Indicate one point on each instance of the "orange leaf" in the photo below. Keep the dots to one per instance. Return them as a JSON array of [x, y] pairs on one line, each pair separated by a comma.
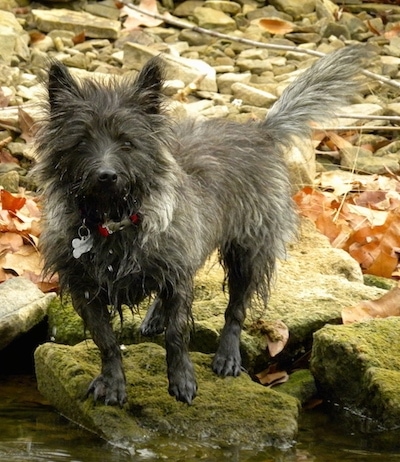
[[276, 25], [387, 305], [11, 202]]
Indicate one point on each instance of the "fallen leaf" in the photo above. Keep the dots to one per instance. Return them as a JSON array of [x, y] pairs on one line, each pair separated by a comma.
[[383, 307], [276, 25], [11, 202], [27, 258], [134, 19], [272, 376]]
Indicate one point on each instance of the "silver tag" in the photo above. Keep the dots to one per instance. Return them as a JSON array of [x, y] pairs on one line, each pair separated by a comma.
[[83, 243]]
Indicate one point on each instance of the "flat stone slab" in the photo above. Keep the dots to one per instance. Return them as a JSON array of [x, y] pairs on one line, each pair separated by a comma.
[[358, 365], [22, 306], [228, 411], [77, 22]]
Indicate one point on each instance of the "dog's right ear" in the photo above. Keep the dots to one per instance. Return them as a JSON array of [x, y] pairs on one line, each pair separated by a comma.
[[60, 84]]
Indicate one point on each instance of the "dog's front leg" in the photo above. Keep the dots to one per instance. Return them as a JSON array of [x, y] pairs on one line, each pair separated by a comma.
[[181, 377], [110, 384]]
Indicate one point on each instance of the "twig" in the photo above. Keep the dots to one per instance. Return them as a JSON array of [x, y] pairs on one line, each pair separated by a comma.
[[355, 127], [169, 19], [369, 117]]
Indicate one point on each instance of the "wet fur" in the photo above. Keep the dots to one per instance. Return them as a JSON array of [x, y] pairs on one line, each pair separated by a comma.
[[197, 185]]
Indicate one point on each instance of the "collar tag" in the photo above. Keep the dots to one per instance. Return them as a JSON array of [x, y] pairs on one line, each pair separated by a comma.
[[83, 243]]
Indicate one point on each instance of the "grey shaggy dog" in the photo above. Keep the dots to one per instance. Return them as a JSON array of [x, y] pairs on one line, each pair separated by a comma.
[[135, 202]]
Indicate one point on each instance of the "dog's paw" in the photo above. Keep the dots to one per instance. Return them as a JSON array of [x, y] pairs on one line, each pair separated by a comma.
[[227, 364], [183, 387], [111, 390]]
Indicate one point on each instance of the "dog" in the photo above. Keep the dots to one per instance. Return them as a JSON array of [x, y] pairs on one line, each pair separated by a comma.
[[135, 202]]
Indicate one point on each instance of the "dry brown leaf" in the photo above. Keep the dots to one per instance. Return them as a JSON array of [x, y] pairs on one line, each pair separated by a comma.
[[27, 258], [272, 376], [383, 307], [276, 25], [134, 19], [26, 124]]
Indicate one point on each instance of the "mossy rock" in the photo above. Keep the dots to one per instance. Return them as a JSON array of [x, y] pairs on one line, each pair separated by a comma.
[[358, 366], [230, 410]]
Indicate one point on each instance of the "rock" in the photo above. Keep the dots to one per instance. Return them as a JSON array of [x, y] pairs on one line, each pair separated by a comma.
[[225, 81], [13, 39], [186, 8], [252, 96], [363, 161], [355, 109], [227, 7], [184, 69], [10, 181], [217, 414], [210, 18], [293, 7], [22, 306], [326, 9], [358, 366], [311, 288], [77, 22]]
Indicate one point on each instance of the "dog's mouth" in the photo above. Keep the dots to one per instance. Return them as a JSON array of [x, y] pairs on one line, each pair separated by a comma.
[[109, 216]]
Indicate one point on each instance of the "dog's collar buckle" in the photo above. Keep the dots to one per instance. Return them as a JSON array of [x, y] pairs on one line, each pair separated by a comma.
[[110, 227]]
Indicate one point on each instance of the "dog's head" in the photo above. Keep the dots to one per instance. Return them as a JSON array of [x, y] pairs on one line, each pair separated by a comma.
[[105, 142]]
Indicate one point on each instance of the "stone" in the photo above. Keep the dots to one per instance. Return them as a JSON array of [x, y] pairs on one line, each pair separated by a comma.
[[10, 181], [225, 81], [228, 7], [22, 306], [209, 18], [295, 8], [77, 22], [358, 366], [217, 414], [363, 161], [311, 288], [185, 69], [8, 40], [253, 96], [186, 8]]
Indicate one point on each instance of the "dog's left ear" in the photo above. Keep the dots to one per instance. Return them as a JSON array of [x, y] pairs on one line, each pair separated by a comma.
[[148, 86]]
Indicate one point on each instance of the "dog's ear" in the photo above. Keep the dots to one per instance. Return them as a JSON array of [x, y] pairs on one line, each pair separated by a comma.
[[148, 86], [60, 84]]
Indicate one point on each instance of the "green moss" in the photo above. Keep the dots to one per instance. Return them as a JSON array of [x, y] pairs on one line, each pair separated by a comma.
[[359, 366], [65, 325], [377, 281], [301, 385], [225, 410]]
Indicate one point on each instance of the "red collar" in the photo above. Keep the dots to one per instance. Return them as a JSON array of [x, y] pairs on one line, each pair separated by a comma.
[[109, 227]]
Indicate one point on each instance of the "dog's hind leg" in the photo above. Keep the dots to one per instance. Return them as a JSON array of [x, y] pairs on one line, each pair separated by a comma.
[[242, 284], [110, 384], [155, 319]]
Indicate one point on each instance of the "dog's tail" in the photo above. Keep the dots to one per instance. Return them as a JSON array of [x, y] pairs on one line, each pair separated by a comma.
[[316, 94]]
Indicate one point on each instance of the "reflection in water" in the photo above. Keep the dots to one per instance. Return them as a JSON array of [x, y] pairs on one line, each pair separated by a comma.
[[30, 430]]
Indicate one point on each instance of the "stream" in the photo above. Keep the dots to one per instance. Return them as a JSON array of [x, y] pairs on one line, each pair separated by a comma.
[[31, 430]]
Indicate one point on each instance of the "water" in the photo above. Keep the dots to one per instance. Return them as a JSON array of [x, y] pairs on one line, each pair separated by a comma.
[[31, 430]]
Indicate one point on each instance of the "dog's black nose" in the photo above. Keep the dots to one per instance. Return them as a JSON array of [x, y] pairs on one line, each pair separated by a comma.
[[107, 175]]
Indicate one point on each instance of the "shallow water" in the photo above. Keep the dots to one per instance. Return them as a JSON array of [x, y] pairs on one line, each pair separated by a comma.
[[31, 430]]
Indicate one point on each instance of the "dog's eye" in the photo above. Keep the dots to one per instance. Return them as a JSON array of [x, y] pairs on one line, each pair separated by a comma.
[[127, 146]]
